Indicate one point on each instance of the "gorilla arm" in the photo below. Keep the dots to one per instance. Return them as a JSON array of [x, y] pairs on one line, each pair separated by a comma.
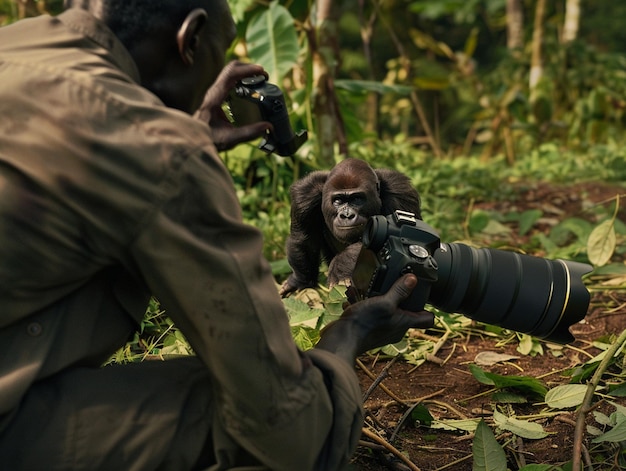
[[304, 243]]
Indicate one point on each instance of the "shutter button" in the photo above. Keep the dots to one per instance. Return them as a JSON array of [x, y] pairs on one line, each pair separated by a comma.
[[34, 329]]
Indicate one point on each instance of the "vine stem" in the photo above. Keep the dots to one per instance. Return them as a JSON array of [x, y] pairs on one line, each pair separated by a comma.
[[586, 406]]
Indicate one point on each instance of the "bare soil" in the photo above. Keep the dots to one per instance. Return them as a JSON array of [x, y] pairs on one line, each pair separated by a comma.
[[448, 389]]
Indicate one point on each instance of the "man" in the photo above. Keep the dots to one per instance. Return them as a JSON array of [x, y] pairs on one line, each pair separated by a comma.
[[111, 191]]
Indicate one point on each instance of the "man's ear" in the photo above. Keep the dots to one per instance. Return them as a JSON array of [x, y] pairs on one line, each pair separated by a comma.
[[188, 35]]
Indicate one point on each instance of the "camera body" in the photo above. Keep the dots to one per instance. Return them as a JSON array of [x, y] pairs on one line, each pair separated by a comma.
[[519, 292], [401, 244], [254, 99]]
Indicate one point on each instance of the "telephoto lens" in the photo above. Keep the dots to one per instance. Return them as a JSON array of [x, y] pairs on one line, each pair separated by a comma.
[[520, 292]]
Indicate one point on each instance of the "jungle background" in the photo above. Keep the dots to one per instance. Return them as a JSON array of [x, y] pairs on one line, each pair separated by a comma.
[[508, 116]]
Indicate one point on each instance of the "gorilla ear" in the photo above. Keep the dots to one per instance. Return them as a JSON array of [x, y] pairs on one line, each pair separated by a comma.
[[188, 35]]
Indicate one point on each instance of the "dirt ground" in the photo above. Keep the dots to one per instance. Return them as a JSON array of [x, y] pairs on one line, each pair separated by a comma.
[[448, 389]]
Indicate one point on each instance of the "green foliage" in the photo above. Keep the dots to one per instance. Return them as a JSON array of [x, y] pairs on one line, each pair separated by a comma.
[[567, 395], [272, 41], [523, 384], [8, 11], [488, 454], [521, 428], [615, 426]]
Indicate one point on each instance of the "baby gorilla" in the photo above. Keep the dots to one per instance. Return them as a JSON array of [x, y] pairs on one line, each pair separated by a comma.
[[329, 210]]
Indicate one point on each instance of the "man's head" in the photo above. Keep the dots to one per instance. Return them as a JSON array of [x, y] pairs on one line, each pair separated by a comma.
[[178, 45]]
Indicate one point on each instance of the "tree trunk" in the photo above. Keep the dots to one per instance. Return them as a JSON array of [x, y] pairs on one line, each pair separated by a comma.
[[572, 21], [536, 60], [325, 56], [514, 24], [27, 8], [367, 29]]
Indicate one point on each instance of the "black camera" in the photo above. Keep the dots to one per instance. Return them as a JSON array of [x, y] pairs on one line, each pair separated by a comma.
[[520, 292], [254, 100]]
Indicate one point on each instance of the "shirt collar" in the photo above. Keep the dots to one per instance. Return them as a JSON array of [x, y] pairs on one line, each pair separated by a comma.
[[85, 23]]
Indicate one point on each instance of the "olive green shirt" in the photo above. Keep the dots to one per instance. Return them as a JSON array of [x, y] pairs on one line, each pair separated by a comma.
[[108, 197]]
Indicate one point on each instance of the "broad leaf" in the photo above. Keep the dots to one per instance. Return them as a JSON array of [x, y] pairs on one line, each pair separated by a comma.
[[492, 358], [272, 41], [616, 434], [421, 415], [238, 8], [521, 383], [506, 397], [300, 311], [567, 395], [601, 243], [455, 425], [488, 454], [528, 219], [305, 337], [521, 428]]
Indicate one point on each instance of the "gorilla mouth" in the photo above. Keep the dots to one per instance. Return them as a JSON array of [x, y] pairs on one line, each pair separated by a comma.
[[350, 228], [349, 234]]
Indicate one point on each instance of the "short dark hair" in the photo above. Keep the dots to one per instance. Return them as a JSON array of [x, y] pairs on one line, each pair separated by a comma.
[[131, 20]]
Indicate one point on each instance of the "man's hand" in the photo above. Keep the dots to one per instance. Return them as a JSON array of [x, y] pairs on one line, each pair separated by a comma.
[[374, 322], [225, 135]]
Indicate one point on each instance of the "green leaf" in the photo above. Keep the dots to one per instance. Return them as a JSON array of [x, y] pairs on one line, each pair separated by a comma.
[[481, 375], [299, 311], [478, 221], [505, 397], [526, 384], [601, 418], [238, 8], [280, 267], [528, 219], [521, 428], [601, 243], [611, 269], [395, 349], [272, 41], [492, 358], [566, 395], [616, 434], [538, 467], [528, 345], [455, 425], [495, 228], [619, 409], [421, 414], [305, 337], [488, 454]]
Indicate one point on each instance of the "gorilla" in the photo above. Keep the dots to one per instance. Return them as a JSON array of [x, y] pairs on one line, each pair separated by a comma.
[[329, 210]]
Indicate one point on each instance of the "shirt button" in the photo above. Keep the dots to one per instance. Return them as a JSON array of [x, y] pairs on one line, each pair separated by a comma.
[[34, 329]]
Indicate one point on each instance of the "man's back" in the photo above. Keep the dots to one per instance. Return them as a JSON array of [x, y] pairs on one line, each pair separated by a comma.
[[87, 156], [74, 157]]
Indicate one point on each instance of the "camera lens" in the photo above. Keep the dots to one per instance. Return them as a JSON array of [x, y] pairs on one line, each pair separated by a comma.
[[375, 233], [523, 293]]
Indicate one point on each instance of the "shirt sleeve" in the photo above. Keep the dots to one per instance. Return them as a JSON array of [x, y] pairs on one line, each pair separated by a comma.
[[206, 268]]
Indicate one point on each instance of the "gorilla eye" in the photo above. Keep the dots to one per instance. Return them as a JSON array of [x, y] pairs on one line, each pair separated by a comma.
[[358, 200]]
